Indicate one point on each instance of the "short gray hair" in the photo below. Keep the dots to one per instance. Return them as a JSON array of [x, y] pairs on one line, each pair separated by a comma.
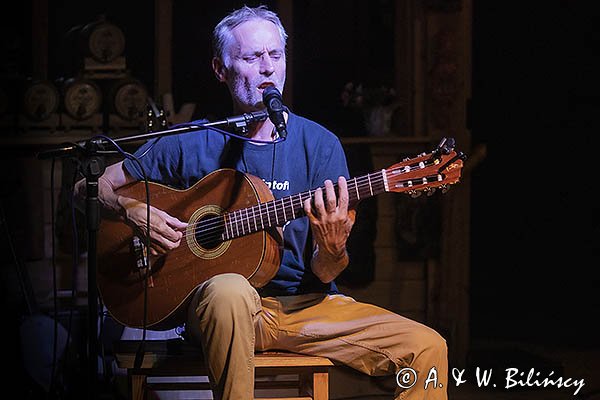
[[222, 32]]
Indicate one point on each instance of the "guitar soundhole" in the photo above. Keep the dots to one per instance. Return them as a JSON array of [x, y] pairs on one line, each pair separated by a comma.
[[209, 231]]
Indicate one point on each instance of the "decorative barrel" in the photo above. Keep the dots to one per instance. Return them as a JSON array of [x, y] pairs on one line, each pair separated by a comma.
[[130, 99], [82, 98], [41, 99], [102, 40]]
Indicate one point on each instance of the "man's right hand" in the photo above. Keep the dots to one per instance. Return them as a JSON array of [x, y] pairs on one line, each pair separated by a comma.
[[166, 231]]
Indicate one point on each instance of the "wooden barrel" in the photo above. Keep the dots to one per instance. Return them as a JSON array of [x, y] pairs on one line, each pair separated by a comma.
[[102, 40], [82, 98], [41, 99], [129, 99]]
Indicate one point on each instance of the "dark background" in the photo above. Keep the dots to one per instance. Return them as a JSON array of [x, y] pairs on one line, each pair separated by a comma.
[[536, 227]]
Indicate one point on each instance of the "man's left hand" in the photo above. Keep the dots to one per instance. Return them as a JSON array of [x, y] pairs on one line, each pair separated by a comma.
[[330, 219]]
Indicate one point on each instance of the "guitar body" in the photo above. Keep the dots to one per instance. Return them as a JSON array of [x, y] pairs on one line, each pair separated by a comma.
[[174, 277]]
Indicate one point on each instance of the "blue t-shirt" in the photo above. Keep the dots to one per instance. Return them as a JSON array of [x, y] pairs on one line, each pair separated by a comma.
[[309, 155]]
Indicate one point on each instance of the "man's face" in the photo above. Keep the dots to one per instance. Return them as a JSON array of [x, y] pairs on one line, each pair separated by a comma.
[[257, 58]]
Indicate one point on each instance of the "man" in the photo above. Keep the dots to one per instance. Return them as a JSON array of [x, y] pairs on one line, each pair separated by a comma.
[[300, 309]]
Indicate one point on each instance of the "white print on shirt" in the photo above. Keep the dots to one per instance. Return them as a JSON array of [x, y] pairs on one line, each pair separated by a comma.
[[285, 185]]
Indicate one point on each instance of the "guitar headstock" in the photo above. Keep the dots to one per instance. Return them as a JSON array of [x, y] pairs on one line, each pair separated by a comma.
[[427, 172]]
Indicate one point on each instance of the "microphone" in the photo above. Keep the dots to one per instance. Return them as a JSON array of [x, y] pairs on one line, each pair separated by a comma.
[[272, 100]]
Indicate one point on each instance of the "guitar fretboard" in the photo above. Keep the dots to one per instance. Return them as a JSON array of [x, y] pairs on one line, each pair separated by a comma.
[[278, 212]]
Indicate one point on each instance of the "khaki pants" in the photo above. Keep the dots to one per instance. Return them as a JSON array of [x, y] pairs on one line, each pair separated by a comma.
[[231, 321]]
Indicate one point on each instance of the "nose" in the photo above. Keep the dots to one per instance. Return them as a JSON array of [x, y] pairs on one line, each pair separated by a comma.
[[266, 64]]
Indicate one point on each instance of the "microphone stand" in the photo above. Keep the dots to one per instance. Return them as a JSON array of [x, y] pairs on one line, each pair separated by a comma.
[[93, 166]]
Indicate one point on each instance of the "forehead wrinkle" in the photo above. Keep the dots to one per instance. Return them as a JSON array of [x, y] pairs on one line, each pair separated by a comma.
[[255, 41]]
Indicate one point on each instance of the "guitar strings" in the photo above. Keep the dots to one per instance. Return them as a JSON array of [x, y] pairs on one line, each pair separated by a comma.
[[217, 222], [214, 224]]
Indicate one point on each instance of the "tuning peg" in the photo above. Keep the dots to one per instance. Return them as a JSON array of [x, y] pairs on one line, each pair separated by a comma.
[[445, 188], [429, 191], [446, 145], [414, 193]]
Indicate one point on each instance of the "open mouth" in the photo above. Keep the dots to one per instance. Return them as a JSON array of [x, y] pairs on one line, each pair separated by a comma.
[[264, 85]]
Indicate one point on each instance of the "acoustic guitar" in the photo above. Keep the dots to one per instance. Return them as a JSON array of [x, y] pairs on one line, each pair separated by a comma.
[[234, 225]]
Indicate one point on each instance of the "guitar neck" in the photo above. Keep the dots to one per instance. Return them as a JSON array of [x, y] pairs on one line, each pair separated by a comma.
[[278, 212]]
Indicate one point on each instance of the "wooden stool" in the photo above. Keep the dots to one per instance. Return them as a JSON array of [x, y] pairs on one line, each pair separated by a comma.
[[177, 358]]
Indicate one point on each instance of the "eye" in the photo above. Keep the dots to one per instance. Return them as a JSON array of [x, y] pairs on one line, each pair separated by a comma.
[[276, 55]]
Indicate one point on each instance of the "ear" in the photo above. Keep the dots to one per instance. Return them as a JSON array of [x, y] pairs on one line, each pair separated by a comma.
[[219, 68]]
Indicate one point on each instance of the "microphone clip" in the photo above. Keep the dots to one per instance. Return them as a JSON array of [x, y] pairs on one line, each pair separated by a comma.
[[240, 122]]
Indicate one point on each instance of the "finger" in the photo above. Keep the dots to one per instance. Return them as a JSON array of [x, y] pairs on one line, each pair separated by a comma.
[[318, 201], [176, 223], [352, 215], [331, 201], [169, 244], [350, 220], [165, 237], [308, 209], [162, 227], [169, 226], [342, 194], [173, 236]]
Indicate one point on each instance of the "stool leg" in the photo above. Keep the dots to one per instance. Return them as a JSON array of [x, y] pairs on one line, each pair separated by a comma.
[[321, 386], [138, 386], [315, 384]]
